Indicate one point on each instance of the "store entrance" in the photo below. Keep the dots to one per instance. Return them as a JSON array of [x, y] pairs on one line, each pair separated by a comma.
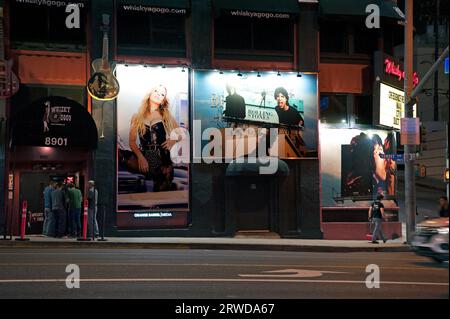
[[32, 185]]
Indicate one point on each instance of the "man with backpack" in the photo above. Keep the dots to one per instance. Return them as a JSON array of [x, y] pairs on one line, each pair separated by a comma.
[[376, 215]]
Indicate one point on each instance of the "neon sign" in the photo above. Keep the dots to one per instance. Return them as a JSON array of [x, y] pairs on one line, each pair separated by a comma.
[[394, 69]]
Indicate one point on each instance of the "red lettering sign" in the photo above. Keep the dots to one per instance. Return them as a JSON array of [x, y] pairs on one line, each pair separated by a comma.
[[393, 69]]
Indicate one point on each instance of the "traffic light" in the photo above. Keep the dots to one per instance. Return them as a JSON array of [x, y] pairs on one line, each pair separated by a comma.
[[446, 175]]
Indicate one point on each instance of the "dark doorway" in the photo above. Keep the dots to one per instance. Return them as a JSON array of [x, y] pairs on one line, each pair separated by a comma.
[[253, 208]]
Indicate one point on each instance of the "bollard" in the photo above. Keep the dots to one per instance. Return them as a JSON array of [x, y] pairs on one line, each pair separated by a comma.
[[23, 222], [85, 222]]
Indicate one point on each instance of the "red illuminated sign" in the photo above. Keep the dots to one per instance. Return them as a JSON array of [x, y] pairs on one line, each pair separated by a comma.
[[394, 69]]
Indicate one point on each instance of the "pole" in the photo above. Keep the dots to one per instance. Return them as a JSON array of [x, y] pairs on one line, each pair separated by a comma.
[[410, 191], [436, 55], [23, 222], [85, 222]]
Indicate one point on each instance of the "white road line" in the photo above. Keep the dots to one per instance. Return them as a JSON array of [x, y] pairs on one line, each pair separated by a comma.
[[360, 267], [108, 280]]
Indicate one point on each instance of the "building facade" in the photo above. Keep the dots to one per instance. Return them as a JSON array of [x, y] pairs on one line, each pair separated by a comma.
[[224, 66]]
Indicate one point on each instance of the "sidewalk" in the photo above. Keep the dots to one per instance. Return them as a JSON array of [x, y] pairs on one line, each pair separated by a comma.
[[300, 245]]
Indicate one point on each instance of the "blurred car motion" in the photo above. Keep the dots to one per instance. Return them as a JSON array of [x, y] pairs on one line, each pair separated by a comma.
[[431, 239]]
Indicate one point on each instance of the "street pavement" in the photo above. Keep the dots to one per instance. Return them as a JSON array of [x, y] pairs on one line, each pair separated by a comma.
[[221, 274]]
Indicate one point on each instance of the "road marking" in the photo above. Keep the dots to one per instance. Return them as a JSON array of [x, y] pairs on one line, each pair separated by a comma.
[[293, 273], [361, 267], [118, 280]]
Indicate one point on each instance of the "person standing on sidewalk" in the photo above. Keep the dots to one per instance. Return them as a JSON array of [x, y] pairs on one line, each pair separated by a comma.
[[376, 215], [48, 228], [59, 210], [75, 200], [443, 206], [92, 209]]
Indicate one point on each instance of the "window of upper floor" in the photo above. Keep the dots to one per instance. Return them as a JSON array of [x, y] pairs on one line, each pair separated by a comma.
[[40, 25]]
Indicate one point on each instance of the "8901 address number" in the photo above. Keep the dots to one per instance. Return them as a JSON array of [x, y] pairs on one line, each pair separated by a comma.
[[56, 141]]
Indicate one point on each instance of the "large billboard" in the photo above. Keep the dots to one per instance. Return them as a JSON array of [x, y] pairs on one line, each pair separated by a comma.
[[283, 100], [152, 186], [356, 166]]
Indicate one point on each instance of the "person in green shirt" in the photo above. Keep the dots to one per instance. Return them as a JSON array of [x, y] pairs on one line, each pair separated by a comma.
[[75, 202]]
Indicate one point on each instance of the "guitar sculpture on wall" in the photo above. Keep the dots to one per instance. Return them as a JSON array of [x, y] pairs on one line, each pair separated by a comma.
[[9, 83], [103, 85]]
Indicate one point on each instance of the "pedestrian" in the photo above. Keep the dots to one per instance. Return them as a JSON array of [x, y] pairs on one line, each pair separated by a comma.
[[48, 229], [443, 205], [92, 209], [376, 216], [75, 200], [59, 210]]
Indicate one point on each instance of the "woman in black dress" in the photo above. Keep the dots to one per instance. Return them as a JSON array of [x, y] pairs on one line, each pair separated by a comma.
[[152, 124]]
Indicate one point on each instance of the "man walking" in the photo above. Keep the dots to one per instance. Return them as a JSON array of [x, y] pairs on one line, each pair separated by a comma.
[[92, 209], [376, 215], [75, 200], [59, 210], [48, 228]]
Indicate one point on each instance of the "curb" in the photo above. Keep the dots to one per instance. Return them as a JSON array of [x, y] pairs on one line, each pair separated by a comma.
[[205, 246]]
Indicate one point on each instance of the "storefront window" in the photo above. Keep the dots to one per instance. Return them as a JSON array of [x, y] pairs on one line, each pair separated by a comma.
[[363, 109], [245, 36], [333, 108], [159, 34]]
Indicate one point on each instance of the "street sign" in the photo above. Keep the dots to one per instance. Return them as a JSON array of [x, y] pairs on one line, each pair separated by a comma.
[[394, 157], [446, 65], [410, 131]]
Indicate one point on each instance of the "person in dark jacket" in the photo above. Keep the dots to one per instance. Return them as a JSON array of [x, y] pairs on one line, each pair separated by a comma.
[[59, 201]]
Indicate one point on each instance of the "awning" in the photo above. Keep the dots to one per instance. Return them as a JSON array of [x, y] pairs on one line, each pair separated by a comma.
[[357, 7], [54, 121], [271, 6], [182, 4], [235, 169], [344, 78], [47, 67]]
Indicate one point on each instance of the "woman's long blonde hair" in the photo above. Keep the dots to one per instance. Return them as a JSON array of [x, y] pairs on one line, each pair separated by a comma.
[[138, 120]]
